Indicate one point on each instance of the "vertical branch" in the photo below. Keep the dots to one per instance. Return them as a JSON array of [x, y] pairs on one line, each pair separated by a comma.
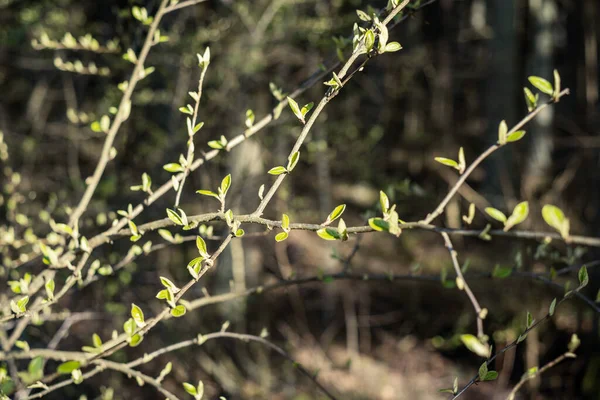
[[466, 287], [120, 117]]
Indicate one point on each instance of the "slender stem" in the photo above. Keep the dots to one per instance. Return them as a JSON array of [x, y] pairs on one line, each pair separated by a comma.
[[440, 208], [467, 289], [191, 147], [330, 94], [120, 117], [528, 376]]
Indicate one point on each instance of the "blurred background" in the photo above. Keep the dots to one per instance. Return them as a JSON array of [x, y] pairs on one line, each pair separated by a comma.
[[461, 71]]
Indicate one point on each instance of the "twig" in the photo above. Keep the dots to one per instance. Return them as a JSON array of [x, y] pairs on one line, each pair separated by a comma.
[[440, 208], [467, 289], [120, 117]]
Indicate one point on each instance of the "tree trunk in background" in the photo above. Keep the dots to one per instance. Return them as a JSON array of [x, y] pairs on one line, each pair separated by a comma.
[[543, 16], [500, 94]]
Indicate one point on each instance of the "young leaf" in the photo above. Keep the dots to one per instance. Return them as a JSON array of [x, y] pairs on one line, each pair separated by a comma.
[[556, 92], [285, 223], [502, 131], [483, 370], [583, 277], [293, 160], [307, 108], [208, 193], [447, 161], [475, 345], [173, 167], [469, 218], [328, 234], [178, 311], [530, 320], [295, 109], [556, 219], [278, 170], [530, 99], [462, 164], [281, 236], [515, 136], [541, 84], [201, 245], [496, 214], [173, 216], [379, 224], [552, 307], [191, 389], [225, 184], [138, 315], [384, 201], [392, 47], [519, 214], [335, 214]]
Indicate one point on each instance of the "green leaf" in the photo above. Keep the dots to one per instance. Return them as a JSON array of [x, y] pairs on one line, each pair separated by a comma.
[[295, 109], [515, 136], [556, 92], [281, 236], [186, 110], [285, 222], [379, 224], [191, 389], [496, 214], [552, 307], [306, 108], [178, 311], [201, 245], [49, 286], [198, 126], [363, 16], [521, 338], [530, 99], [328, 234], [447, 161], [168, 284], [502, 131], [200, 390], [225, 185], [96, 340], [278, 170], [384, 202], [473, 344], [483, 370], [335, 214], [293, 161], [369, 40], [135, 340], [68, 367], [530, 320], [574, 343], [173, 216], [22, 303], [249, 119], [392, 47], [519, 214], [490, 376], [556, 219], [583, 277], [501, 272], [208, 193], [173, 167], [138, 315], [542, 85]]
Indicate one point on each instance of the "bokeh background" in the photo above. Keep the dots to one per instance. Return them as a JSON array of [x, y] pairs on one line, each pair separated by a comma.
[[461, 72]]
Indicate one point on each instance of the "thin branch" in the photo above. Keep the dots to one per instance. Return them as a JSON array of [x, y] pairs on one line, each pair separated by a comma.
[[528, 376], [120, 117], [465, 285], [440, 208]]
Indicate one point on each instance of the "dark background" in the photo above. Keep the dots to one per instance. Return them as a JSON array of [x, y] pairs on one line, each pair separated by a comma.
[[461, 72]]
